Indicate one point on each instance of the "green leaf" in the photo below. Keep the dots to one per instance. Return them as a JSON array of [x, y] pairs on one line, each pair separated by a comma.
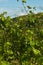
[[9, 51], [5, 63], [3, 18], [32, 43], [24, 1], [29, 7], [36, 52]]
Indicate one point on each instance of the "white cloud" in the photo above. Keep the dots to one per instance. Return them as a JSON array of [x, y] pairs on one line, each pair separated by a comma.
[[22, 13], [35, 12], [12, 12]]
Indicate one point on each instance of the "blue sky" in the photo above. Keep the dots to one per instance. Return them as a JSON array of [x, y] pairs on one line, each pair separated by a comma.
[[15, 8]]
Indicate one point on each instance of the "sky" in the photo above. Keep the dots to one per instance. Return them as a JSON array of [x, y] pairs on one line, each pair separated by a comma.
[[15, 8]]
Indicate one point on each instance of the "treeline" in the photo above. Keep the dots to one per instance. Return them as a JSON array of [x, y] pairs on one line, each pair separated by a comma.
[[21, 40]]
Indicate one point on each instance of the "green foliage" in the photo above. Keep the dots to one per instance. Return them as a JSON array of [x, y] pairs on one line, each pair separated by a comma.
[[21, 40]]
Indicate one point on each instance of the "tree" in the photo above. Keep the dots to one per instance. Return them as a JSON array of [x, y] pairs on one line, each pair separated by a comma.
[[21, 39]]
